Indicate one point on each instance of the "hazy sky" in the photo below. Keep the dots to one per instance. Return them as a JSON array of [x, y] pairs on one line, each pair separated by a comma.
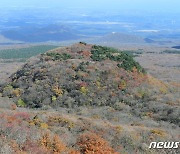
[[148, 5]]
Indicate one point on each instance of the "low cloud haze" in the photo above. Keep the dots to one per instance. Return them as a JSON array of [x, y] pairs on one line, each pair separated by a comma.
[[117, 5], [36, 20]]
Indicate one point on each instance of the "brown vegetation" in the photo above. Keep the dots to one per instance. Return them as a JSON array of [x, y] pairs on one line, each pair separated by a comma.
[[85, 106]]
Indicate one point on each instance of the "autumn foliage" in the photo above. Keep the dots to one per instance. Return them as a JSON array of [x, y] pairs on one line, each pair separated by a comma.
[[52, 144], [93, 144]]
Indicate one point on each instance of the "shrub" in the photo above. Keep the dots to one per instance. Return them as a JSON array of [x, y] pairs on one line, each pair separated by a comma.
[[122, 85], [7, 90], [53, 144], [126, 60], [44, 125], [58, 56], [83, 90], [81, 66], [57, 90], [158, 132], [21, 103], [53, 98], [91, 143], [60, 121], [16, 92], [128, 143]]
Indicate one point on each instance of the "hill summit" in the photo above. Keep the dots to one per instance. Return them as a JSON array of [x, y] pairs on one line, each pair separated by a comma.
[[82, 74], [86, 75]]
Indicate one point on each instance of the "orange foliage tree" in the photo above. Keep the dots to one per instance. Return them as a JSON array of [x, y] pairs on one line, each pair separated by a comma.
[[92, 143]]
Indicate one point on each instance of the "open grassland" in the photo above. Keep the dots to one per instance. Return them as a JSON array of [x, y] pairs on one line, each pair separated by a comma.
[[164, 66]]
